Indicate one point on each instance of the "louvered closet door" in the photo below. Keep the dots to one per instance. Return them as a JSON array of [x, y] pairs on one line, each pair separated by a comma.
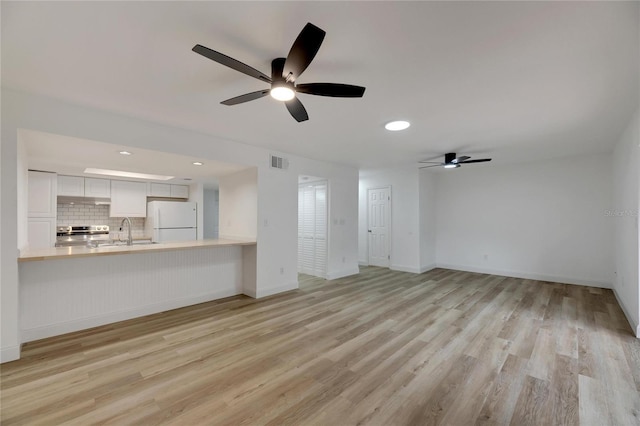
[[312, 229], [300, 226]]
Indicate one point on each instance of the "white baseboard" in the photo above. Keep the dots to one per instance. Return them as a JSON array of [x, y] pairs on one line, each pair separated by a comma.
[[9, 353], [343, 273], [427, 268], [412, 269], [527, 275], [249, 292], [403, 268], [634, 326], [29, 335], [275, 290]]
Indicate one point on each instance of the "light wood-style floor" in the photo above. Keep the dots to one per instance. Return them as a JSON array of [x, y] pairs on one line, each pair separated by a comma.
[[380, 348]]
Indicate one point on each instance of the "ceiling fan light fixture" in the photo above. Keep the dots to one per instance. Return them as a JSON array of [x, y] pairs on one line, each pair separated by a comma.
[[395, 126], [282, 93], [451, 166]]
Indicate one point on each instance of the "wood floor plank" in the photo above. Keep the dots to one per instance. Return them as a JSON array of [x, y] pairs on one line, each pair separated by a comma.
[[378, 348], [532, 407]]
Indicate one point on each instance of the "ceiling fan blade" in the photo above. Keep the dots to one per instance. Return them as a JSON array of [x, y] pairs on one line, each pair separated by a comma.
[[482, 160], [230, 62], [432, 162], [297, 110], [303, 51], [246, 97], [461, 159], [331, 89], [435, 165]]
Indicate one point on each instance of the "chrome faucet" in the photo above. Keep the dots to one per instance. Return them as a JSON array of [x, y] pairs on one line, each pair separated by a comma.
[[129, 238]]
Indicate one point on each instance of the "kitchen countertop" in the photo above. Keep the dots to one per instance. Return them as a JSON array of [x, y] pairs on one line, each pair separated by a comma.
[[83, 251]]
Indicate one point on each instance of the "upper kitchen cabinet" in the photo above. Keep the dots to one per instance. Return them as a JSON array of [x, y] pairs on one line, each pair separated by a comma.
[[128, 199], [159, 190], [97, 187], [42, 194], [179, 191], [167, 190], [78, 186], [71, 186]]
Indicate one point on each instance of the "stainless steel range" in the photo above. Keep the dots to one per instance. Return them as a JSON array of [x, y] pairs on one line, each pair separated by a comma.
[[81, 235]]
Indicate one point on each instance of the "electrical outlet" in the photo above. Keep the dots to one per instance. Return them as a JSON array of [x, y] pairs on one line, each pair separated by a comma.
[[344, 259], [281, 270], [486, 256], [266, 222]]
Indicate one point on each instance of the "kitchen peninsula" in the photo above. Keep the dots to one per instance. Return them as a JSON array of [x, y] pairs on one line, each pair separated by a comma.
[[68, 289]]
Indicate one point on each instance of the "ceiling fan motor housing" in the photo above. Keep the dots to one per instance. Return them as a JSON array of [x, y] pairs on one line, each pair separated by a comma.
[[448, 158]]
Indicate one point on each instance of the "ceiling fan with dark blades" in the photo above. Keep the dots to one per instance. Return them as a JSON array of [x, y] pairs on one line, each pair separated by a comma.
[[451, 161], [285, 72]]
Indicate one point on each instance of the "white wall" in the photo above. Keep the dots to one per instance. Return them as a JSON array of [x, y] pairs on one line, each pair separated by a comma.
[[343, 223], [276, 251], [542, 220], [624, 215], [210, 213], [22, 202], [428, 222], [9, 334], [405, 229], [239, 201]]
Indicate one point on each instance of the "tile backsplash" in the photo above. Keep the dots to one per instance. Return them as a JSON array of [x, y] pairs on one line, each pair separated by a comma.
[[89, 214]]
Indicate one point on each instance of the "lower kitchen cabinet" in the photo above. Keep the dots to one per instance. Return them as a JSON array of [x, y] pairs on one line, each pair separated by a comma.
[[128, 199], [41, 232]]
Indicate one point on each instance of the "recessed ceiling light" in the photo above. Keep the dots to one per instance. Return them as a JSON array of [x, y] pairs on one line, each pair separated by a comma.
[[397, 125], [121, 173], [125, 153], [197, 163]]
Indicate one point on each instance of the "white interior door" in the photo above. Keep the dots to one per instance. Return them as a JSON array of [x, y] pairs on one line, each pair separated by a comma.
[[379, 218], [312, 229]]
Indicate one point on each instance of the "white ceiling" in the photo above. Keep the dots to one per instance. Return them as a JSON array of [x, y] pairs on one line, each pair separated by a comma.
[[71, 156], [514, 80]]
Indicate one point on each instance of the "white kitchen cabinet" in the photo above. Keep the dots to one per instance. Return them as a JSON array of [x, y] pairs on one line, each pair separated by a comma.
[[159, 190], [179, 191], [71, 186], [128, 199], [41, 232], [97, 187], [42, 188]]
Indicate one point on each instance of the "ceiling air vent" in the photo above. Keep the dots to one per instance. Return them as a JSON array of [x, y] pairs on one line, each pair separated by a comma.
[[279, 162]]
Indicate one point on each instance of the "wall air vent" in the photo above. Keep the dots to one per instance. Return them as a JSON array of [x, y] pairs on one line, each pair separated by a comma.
[[279, 162]]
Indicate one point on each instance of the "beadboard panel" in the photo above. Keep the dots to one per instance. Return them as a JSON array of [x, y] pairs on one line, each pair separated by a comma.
[[73, 294]]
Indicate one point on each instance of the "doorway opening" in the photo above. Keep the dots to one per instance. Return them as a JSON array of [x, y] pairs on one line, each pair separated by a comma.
[[312, 226]]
